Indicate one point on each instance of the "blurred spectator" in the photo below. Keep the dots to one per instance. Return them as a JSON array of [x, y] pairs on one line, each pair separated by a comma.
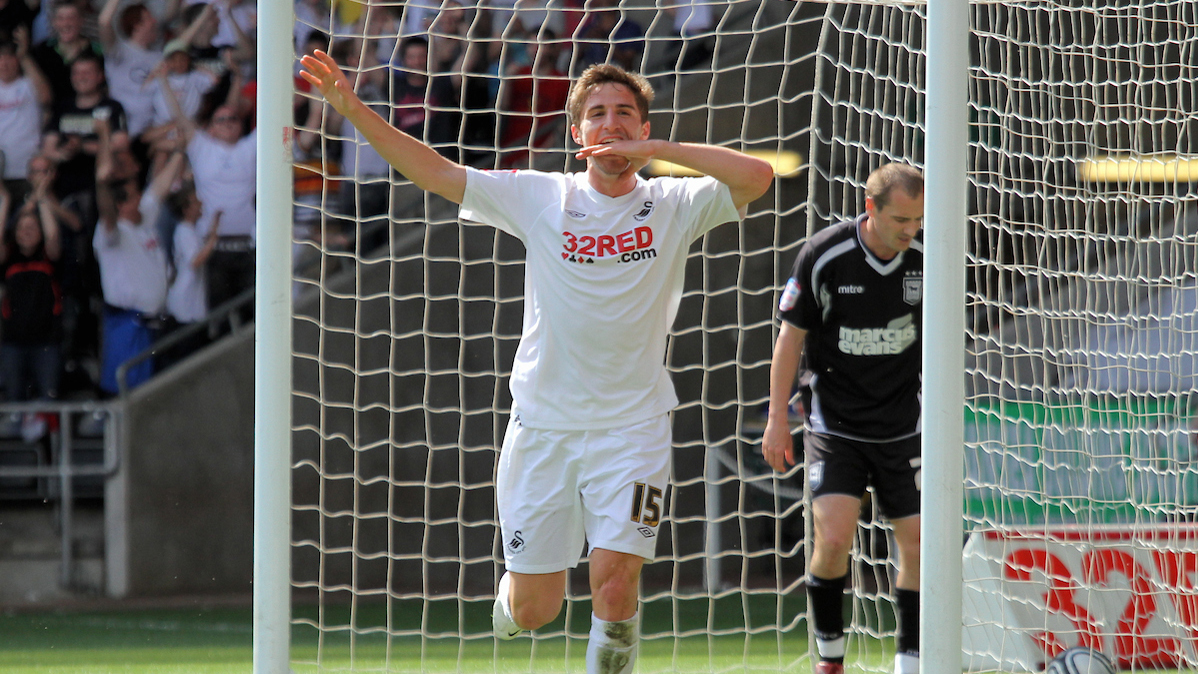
[[23, 97], [238, 21], [129, 57], [366, 194], [380, 29], [223, 162], [314, 40], [311, 15], [448, 41], [447, 36], [693, 39], [188, 84], [311, 177], [418, 15], [133, 271], [411, 88], [18, 13], [71, 139], [202, 24], [535, 103], [76, 277], [186, 300], [30, 314], [607, 36], [477, 88], [56, 55]]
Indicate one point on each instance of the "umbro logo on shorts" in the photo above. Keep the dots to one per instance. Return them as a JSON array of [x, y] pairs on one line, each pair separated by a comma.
[[516, 545], [646, 532]]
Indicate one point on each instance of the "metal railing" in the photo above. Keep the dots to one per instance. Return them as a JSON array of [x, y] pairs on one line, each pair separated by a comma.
[[212, 324], [60, 466]]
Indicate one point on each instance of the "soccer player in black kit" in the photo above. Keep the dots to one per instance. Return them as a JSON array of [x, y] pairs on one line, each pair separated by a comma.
[[851, 317]]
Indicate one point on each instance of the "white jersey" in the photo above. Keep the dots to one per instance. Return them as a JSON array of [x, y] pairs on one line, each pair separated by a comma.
[[603, 280], [226, 180], [187, 300], [189, 88], [126, 67], [132, 264], [20, 127]]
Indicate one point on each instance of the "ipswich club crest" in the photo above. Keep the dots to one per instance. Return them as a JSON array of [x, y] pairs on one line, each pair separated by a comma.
[[913, 289]]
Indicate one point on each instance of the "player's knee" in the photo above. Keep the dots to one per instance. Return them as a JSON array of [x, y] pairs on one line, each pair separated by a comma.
[[535, 613], [835, 544], [616, 596]]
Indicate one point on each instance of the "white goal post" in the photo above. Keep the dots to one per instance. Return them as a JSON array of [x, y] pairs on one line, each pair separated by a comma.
[[1060, 146]]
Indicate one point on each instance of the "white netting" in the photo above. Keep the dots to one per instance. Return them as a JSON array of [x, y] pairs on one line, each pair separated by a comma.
[[405, 337], [1082, 335]]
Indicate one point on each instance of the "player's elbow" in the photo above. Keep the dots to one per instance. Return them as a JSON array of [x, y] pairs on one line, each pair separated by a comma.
[[757, 179]]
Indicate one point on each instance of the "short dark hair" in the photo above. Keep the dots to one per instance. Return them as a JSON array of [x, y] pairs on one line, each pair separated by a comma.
[[124, 189], [606, 73], [131, 16], [90, 57], [887, 177], [178, 200], [411, 42], [191, 12]]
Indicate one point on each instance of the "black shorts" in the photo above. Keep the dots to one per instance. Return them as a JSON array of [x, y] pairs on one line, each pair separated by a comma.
[[838, 465]]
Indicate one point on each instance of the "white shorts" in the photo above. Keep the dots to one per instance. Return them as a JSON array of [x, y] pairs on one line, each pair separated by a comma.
[[556, 489]]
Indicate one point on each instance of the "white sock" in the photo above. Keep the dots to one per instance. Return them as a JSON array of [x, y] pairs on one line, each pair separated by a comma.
[[830, 650], [612, 646], [906, 663], [501, 613]]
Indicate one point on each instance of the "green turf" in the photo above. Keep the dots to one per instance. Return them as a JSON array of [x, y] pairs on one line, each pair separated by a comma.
[[219, 640]]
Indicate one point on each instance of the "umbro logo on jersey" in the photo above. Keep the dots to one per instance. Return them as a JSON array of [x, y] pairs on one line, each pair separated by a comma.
[[645, 212], [577, 215], [646, 532]]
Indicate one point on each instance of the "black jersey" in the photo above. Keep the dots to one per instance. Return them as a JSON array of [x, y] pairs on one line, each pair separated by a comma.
[[860, 373]]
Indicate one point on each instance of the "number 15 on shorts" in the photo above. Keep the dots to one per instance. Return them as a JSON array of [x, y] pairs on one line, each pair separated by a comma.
[[646, 504]]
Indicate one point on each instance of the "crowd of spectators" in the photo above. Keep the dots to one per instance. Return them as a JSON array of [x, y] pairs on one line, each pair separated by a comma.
[[128, 149]]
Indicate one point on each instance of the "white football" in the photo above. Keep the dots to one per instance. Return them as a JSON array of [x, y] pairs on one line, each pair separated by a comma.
[[1081, 660]]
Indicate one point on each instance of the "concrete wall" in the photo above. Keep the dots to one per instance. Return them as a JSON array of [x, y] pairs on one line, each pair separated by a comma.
[[180, 513]]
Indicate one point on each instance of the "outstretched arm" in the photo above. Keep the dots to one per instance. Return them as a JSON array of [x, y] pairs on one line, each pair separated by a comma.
[[746, 177], [160, 186], [105, 199], [185, 126], [776, 444], [29, 66], [108, 36], [412, 158]]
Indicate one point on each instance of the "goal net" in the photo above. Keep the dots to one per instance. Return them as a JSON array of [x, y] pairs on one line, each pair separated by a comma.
[[1081, 339]]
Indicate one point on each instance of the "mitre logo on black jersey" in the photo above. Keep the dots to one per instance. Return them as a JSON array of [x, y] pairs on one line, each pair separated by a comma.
[[895, 338]]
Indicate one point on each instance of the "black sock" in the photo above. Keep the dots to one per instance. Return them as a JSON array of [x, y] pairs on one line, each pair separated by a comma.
[[908, 620], [826, 598]]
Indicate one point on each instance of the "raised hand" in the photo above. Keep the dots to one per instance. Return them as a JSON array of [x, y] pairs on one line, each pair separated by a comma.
[[638, 153], [322, 72]]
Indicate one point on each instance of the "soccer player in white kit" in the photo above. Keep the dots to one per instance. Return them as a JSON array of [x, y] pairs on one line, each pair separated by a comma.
[[587, 450]]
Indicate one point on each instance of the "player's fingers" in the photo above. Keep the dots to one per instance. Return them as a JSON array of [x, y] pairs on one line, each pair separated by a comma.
[[328, 60], [316, 68], [311, 79]]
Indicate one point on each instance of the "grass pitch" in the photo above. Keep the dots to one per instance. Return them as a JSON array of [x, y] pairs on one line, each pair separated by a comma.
[[218, 640]]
